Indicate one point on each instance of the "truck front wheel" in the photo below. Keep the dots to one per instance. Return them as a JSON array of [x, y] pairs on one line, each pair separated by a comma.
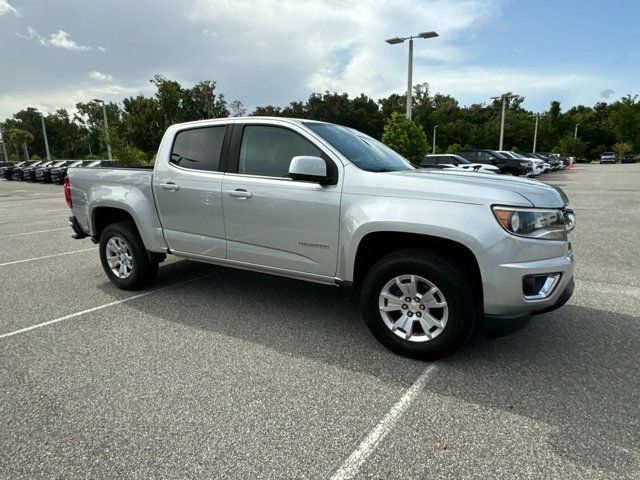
[[418, 304], [124, 257]]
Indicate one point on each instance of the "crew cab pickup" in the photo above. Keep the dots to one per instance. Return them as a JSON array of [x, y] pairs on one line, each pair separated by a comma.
[[433, 252]]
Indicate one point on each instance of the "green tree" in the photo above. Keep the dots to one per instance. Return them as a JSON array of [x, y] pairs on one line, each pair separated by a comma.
[[18, 138], [237, 109], [624, 119], [201, 102], [621, 148], [571, 146], [453, 148], [406, 138], [267, 111]]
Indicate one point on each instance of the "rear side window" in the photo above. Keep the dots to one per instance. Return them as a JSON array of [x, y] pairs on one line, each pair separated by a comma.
[[199, 148], [267, 151]]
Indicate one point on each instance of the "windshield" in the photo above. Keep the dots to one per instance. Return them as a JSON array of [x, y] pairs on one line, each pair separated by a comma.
[[59, 164], [457, 159], [362, 150], [499, 155], [94, 163]]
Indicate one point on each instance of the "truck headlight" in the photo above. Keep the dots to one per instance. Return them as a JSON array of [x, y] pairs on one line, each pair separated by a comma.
[[541, 224]]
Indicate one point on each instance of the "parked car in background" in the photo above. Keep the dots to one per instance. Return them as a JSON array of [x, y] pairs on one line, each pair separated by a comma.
[[29, 173], [7, 170], [431, 251], [507, 165], [554, 163], [43, 173], [456, 162], [629, 158], [104, 163], [608, 157], [58, 173], [18, 172], [537, 163]]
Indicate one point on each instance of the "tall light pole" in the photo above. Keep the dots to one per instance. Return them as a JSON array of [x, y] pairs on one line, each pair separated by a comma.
[[46, 141], [504, 97], [535, 131], [396, 40], [575, 134], [435, 127], [4, 147], [106, 126]]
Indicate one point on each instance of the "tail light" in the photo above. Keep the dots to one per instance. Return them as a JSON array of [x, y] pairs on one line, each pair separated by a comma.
[[67, 192]]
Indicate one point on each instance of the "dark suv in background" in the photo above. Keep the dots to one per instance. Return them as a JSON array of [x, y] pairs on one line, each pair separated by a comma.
[[507, 166]]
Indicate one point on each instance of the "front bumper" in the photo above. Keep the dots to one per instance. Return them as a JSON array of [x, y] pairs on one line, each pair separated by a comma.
[[504, 295], [502, 325]]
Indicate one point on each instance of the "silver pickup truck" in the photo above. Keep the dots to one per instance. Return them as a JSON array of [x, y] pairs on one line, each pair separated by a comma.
[[434, 253]]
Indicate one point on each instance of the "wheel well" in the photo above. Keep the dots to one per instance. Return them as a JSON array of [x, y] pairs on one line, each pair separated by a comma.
[[103, 216], [376, 245]]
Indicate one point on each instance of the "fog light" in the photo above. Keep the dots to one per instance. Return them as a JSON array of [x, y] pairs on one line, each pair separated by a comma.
[[539, 287]]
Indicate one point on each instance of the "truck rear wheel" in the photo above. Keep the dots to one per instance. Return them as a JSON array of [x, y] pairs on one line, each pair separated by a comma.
[[418, 304], [124, 257]]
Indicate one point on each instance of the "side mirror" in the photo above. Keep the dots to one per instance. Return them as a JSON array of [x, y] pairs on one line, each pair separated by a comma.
[[309, 169]]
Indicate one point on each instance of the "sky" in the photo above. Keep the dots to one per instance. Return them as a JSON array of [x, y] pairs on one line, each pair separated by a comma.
[[271, 52]]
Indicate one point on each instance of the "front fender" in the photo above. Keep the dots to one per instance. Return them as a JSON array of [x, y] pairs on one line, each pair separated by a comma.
[[470, 225]]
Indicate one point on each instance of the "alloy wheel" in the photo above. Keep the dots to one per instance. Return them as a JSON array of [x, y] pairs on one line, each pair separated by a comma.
[[413, 308]]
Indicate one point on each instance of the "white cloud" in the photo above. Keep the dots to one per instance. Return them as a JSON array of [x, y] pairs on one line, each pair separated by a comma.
[[52, 99], [60, 39], [339, 44], [99, 76], [6, 8]]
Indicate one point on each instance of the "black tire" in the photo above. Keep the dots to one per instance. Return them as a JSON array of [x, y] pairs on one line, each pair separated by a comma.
[[462, 308], [144, 268]]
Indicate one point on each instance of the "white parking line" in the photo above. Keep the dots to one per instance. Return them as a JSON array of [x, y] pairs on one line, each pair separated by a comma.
[[106, 305], [37, 231], [352, 465], [47, 256]]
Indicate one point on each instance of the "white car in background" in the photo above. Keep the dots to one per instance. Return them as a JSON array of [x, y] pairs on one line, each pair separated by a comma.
[[608, 157], [538, 165], [456, 162]]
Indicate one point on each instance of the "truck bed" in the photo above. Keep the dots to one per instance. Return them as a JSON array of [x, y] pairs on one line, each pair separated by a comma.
[[128, 188]]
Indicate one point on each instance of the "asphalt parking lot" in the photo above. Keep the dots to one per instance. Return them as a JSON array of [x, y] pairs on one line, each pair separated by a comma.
[[216, 373]]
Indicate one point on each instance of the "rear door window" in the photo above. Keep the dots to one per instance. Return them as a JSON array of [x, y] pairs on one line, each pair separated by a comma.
[[199, 148], [484, 157]]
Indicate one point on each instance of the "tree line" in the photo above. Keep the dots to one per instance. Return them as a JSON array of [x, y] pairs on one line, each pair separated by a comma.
[[137, 124]]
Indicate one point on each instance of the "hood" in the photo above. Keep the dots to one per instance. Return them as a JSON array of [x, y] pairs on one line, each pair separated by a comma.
[[476, 187]]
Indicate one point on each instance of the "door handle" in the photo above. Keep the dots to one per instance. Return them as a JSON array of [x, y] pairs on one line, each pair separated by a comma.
[[170, 186], [239, 193]]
